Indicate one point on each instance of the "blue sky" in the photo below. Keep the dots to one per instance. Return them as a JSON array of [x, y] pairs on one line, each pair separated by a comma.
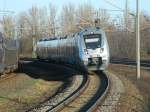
[[23, 5]]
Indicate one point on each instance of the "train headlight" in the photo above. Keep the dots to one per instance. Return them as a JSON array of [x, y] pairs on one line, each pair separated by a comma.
[[104, 61], [85, 51], [92, 32], [101, 50], [86, 63]]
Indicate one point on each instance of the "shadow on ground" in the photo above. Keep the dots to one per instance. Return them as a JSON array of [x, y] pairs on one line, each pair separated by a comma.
[[46, 71]]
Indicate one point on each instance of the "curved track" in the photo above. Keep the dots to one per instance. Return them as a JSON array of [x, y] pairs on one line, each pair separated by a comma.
[[77, 83], [84, 93], [91, 97]]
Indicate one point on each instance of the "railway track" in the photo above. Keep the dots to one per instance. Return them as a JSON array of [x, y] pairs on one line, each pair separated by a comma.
[[62, 97], [144, 63], [91, 97], [77, 84], [84, 94]]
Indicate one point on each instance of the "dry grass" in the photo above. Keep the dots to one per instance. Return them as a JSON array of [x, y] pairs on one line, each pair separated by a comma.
[[137, 91], [21, 92]]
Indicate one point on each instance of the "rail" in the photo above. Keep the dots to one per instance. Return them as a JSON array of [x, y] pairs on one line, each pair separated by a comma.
[[65, 96], [91, 97], [96, 86]]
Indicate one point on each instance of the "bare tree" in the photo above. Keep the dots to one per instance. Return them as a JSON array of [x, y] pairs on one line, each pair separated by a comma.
[[8, 26], [85, 15], [104, 19], [22, 27], [36, 22], [145, 32], [67, 18], [31, 26], [40, 22], [51, 29]]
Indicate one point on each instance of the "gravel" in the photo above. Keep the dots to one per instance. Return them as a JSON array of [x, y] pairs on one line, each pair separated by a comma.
[[116, 89], [137, 94]]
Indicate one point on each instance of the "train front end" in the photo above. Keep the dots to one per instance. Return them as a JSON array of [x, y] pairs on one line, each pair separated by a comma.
[[95, 49]]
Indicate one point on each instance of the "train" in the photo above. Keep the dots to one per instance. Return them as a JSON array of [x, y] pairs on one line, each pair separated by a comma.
[[8, 54], [87, 49]]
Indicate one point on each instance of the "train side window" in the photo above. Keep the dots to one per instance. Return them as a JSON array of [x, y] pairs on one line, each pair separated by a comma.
[[45, 39], [40, 40]]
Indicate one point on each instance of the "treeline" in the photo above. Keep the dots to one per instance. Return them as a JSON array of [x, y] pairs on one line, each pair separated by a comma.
[[48, 22], [41, 22], [123, 44]]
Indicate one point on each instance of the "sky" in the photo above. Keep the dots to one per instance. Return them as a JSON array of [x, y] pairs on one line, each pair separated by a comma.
[[23, 5]]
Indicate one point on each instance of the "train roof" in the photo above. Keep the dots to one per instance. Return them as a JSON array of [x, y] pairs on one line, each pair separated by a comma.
[[92, 29], [85, 31], [53, 38], [47, 38]]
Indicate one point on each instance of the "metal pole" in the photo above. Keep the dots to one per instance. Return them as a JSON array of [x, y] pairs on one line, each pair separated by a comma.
[[126, 15], [34, 46], [138, 38]]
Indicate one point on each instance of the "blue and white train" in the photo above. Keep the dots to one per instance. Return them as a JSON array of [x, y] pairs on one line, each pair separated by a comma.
[[88, 49]]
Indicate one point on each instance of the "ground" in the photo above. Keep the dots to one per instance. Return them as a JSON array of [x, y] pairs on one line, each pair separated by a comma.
[[137, 94], [20, 92]]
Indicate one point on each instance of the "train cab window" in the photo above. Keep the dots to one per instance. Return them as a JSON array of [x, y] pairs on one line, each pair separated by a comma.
[[92, 41]]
